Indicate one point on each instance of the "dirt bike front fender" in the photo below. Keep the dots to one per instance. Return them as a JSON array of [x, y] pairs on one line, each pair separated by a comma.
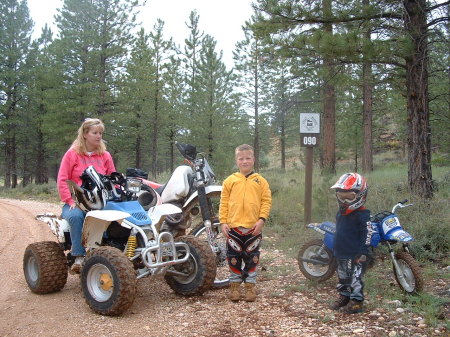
[[208, 189], [96, 223], [159, 212]]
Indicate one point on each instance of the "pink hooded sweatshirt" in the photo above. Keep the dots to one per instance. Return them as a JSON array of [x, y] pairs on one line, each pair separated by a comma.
[[73, 165]]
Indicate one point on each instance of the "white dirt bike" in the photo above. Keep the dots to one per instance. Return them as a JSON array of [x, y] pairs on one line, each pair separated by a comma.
[[123, 242], [192, 188]]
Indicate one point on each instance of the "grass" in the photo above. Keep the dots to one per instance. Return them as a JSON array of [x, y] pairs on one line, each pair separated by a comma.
[[46, 192]]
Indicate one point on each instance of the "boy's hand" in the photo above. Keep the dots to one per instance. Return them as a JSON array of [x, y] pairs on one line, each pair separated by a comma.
[[360, 259], [225, 229], [257, 227]]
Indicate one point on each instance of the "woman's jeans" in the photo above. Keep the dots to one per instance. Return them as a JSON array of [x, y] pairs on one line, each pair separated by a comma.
[[75, 217]]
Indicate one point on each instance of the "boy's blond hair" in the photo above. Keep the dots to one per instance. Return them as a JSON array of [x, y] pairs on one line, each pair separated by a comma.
[[79, 144], [244, 147]]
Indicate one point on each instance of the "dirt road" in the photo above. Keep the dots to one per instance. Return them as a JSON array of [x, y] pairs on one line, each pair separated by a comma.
[[286, 305]]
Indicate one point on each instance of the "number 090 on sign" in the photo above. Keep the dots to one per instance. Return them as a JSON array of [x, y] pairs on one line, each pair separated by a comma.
[[309, 140]]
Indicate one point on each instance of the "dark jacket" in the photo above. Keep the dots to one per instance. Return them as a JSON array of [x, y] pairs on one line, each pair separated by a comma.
[[353, 234]]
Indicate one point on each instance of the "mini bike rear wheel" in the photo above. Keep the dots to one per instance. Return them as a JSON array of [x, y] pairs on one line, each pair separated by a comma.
[[316, 262]]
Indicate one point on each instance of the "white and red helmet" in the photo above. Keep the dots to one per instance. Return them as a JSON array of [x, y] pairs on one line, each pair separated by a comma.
[[351, 191]]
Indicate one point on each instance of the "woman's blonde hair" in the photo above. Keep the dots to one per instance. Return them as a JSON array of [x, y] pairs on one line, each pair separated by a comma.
[[79, 144]]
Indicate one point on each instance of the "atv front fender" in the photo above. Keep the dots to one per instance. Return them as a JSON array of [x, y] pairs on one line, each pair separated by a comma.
[[96, 223]]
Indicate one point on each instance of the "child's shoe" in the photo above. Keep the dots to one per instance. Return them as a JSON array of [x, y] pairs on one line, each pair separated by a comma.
[[250, 292], [340, 302], [235, 291], [353, 307]]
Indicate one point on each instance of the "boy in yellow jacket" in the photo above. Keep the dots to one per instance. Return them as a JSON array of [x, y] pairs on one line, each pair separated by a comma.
[[244, 207]]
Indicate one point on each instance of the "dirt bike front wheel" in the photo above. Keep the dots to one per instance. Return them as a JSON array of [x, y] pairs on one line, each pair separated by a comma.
[[409, 275], [316, 262], [108, 281], [222, 272]]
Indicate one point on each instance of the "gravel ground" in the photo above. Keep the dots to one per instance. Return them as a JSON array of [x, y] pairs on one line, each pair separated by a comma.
[[286, 305]]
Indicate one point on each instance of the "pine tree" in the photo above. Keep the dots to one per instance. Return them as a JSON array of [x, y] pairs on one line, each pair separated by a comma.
[[15, 36]]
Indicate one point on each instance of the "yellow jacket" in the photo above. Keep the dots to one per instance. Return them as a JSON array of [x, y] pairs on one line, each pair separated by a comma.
[[244, 200]]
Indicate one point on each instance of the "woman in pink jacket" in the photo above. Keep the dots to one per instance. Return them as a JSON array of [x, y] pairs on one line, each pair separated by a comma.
[[86, 150]]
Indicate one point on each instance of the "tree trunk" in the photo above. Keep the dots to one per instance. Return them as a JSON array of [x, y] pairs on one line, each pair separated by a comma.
[[41, 172], [329, 106], [256, 139], [419, 133], [367, 155], [138, 154], [154, 164]]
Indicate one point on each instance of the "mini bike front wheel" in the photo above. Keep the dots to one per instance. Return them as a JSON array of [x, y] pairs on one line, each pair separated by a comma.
[[408, 275], [316, 262]]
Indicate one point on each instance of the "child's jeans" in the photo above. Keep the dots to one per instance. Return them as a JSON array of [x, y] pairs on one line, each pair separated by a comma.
[[243, 247], [350, 276]]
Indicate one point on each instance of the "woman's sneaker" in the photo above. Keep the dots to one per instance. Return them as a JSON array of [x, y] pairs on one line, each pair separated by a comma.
[[76, 267]]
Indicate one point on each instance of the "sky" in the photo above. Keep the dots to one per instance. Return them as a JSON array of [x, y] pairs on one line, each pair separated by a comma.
[[222, 19]]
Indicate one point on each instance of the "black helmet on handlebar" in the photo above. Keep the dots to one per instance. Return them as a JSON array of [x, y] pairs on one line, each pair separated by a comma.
[[188, 151]]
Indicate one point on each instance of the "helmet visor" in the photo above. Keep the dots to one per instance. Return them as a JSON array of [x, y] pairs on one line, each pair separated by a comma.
[[346, 196]]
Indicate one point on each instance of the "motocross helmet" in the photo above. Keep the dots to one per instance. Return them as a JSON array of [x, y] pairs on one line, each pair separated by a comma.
[[351, 192], [92, 194]]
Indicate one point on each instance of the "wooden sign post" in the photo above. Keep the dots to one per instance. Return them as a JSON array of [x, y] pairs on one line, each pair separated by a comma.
[[309, 138]]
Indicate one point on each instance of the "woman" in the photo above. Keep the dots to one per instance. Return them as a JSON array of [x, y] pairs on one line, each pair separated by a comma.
[[86, 150]]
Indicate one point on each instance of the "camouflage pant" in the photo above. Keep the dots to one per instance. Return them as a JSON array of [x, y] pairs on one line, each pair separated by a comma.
[[243, 247], [350, 275]]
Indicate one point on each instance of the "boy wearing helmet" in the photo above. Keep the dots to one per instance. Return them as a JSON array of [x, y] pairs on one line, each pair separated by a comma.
[[351, 241]]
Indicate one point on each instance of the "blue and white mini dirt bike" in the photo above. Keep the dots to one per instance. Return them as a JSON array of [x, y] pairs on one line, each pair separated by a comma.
[[317, 263], [124, 242]]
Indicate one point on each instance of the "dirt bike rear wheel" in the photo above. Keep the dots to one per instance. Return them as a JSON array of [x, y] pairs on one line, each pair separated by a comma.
[[199, 270], [313, 271], [45, 267], [108, 281], [198, 229], [223, 271], [409, 277]]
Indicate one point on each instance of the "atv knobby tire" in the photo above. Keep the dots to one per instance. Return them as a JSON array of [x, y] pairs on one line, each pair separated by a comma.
[[316, 272], [199, 269], [412, 274], [45, 267], [108, 281]]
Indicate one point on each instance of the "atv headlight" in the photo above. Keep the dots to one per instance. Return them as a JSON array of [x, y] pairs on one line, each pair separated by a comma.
[[133, 185]]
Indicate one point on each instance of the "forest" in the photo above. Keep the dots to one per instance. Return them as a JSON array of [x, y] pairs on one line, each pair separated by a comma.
[[377, 72]]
